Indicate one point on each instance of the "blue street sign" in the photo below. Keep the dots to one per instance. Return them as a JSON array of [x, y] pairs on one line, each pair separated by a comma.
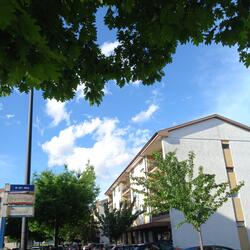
[[22, 188]]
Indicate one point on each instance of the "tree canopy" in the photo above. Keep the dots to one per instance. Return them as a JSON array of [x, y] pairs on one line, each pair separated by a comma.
[[63, 200], [115, 222], [52, 45], [174, 185]]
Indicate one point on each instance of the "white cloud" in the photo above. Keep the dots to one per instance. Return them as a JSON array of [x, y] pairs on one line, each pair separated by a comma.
[[38, 125], [9, 116], [136, 83], [227, 85], [107, 48], [145, 115], [57, 111], [111, 149], [80, 92], [6, 162], [107, 91], [186, 98], [234, 102]]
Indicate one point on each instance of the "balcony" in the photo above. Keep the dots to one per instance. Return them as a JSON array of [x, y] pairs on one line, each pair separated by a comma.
[[161, 217], [126, 193], [151, 164]]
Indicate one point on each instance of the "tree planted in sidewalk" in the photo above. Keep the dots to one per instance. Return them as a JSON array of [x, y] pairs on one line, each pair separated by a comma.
[[115, 222], [84, 230], [63, 199], [53, 45], [174, 185]]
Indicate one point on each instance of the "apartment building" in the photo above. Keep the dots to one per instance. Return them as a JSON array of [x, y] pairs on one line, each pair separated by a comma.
[[100, 210], [222, 147]]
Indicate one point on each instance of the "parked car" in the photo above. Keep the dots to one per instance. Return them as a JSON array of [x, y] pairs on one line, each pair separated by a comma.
[[158, 245], [94, 246], [118, 247], [212, 247]]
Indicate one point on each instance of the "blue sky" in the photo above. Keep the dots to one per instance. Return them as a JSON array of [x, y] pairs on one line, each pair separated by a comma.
[[200, 81]]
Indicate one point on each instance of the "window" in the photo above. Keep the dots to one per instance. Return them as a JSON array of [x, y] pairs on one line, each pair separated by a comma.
[[227, 155], [225, 145], [240, 224]]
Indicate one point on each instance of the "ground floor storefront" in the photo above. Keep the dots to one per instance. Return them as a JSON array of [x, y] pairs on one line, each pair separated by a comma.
[[149, 232]]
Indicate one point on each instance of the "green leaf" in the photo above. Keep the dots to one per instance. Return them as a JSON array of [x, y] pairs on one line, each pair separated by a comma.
[[7, 13]]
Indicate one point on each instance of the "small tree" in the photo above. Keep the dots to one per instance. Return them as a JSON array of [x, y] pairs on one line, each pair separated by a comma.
[[63, 200], [174, 186], [115, 222]]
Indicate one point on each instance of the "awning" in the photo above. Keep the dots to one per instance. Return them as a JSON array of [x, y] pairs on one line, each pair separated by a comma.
[[151, 225]]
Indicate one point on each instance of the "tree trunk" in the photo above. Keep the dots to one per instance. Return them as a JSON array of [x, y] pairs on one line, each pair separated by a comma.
[[56, 228], [200, 239]]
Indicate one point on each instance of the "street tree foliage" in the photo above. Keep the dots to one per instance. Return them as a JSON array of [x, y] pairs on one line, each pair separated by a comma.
[[63, 200], [84, 230], [52, 45], [115, 222], [13, 231], [175, 185]]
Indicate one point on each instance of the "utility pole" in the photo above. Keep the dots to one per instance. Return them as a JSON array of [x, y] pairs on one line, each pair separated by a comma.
[[24, 232]]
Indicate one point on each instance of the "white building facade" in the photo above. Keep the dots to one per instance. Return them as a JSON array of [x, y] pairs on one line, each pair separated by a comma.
[[100, 210], [222, 147]]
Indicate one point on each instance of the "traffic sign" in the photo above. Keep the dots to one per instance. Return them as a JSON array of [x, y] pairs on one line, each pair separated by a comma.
[[20, 211], [20, 199], [21, 188]]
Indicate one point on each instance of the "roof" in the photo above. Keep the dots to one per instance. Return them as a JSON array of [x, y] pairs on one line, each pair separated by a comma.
[[222, 118], [165, 132]]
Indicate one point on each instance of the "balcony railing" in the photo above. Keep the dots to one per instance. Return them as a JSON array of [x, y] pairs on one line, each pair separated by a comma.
[[126, 192], [151, 165]]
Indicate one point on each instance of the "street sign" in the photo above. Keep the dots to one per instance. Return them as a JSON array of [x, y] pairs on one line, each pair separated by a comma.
[[21, 188], [20, 199], [20, 211]]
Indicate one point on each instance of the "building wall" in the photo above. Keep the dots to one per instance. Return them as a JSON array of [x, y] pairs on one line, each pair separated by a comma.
[[241, 158], [117, 196], [138, 171], [205, 140], [100, 209]]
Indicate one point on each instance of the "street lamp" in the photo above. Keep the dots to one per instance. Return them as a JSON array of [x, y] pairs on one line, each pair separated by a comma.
[[24, 232]]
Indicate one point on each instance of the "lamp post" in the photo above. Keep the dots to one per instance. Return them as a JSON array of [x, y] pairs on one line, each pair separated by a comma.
[[24, 232]]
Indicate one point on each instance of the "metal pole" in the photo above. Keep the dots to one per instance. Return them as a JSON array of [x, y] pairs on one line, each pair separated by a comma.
[[24, 232], [2, 231]]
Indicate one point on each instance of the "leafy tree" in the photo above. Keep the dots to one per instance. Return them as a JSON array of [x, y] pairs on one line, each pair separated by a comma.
[[13, 230], [51, 45], [86, 230], [64, 199], [174, 186], [115, 222]]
